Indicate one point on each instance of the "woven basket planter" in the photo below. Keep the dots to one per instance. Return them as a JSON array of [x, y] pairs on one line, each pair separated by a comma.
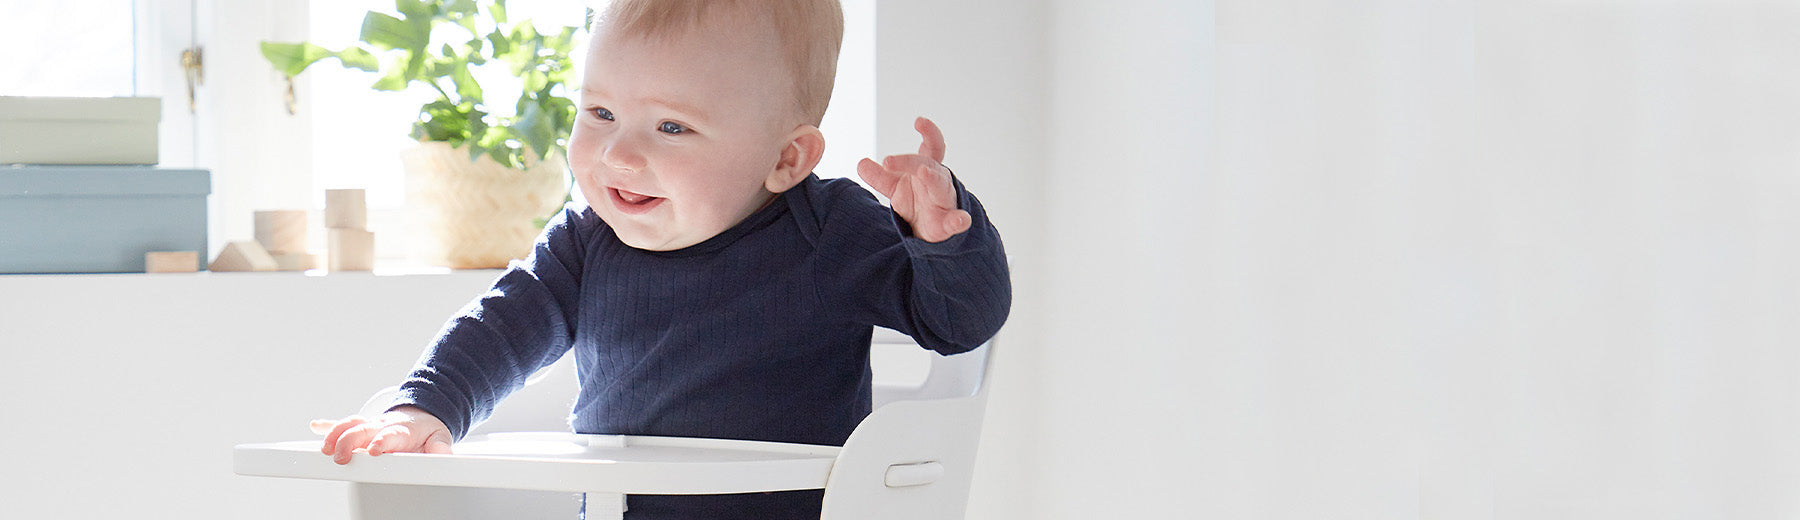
[[475, 215]]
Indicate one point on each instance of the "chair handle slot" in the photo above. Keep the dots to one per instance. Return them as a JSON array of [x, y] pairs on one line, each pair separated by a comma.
[[917, 474]]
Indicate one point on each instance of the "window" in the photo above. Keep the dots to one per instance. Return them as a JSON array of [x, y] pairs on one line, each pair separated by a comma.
[[100, 48], [95, 57]]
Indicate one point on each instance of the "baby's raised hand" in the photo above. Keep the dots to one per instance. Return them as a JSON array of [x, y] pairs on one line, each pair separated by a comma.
[[918, 185], [404, 429]]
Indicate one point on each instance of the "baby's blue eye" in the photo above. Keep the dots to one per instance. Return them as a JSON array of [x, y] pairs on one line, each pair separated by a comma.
[[603, 113], [671, 127]]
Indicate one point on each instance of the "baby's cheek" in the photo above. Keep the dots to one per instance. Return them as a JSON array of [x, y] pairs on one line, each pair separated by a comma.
[[590, 188], [582, 168], [583, 149]]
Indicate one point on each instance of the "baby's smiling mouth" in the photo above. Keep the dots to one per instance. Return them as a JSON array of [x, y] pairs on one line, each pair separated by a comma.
[[633, 203], [633, 198]]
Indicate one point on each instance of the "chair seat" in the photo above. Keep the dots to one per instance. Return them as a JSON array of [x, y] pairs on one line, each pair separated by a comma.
[[569, 462]]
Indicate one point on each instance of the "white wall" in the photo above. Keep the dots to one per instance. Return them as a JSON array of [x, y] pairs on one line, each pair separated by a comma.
[[977, 69], [1396, 259], [260, 157], [849, 123], [124, 394], [1138, 371]]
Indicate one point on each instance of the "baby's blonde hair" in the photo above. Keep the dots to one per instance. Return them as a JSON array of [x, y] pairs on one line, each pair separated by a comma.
[[811, 32]]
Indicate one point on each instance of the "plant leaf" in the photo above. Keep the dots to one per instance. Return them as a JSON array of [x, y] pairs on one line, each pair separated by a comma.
[[534, 80], [526, 43], [395, 79], [494, 138], [465, 7], [478, 127], [498, 10], [293, 58], [439, 68], [474, 47], [415, 66], [445, 121], [467, 22], [503, 155], [466, 87], [502, 44], [563, 42], [356, 57], [562, 112], [413, 8], [535, 129], [387, 32]]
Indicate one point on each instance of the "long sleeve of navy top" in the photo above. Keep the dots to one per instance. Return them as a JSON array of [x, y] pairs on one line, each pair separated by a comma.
[[761, 332]]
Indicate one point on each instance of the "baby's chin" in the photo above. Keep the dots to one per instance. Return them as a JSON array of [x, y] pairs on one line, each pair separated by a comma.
[[633, 234]]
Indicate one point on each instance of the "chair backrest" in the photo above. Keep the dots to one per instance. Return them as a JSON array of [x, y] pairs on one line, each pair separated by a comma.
[[914, 456], [942, 376]]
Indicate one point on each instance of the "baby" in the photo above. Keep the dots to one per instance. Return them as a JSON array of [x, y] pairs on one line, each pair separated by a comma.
[[712, 286]]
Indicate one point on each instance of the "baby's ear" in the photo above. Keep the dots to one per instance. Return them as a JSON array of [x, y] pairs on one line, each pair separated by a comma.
[[804, 146]]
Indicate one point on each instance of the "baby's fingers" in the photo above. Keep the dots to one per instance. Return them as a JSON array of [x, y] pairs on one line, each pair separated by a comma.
[[948, 223], [439, 443], [931, 181], [391, 439], [337, 432], [958, 222], [936, 215], [932, 144], [321, 426], [357, 437], [877, 176]]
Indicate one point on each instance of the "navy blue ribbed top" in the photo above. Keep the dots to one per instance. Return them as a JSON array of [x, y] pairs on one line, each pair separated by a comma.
[[760, 333]]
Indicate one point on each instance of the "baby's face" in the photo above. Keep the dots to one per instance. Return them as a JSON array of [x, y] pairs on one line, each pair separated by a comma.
[[677, 136]]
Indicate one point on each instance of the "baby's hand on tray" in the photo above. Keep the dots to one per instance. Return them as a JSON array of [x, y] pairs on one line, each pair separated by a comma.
[[403, 429]]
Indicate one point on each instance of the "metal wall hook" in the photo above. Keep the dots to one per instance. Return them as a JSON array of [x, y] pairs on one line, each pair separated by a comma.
[[293, 102], [195, 72]]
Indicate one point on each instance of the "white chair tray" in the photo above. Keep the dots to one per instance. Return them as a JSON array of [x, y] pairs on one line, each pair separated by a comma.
[[550, 461]]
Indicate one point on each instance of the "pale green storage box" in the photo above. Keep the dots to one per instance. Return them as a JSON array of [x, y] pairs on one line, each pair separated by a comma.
[[98, 219], [62, 130]]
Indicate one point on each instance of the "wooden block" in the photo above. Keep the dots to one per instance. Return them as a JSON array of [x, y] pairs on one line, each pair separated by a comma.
[[352, 250], [346, 209], [243, 255], [281, 231], [171, 261], [296, 261]]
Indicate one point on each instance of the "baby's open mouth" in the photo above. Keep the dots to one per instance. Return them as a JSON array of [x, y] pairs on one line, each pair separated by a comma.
[[633, 198], [633, 203]]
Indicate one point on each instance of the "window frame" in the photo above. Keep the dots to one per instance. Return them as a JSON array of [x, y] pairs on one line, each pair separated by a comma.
[[161, 30]]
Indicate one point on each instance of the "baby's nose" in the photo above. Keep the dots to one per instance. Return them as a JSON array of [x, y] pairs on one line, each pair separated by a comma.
[[623, 153]]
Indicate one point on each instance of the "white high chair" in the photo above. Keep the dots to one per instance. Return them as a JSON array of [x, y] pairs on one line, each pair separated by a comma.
[[911, 458]]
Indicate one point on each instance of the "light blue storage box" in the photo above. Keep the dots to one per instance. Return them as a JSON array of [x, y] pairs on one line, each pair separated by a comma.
[[98, 219]]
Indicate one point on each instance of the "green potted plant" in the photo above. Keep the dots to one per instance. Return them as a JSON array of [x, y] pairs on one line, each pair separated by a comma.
[[478, 184]]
